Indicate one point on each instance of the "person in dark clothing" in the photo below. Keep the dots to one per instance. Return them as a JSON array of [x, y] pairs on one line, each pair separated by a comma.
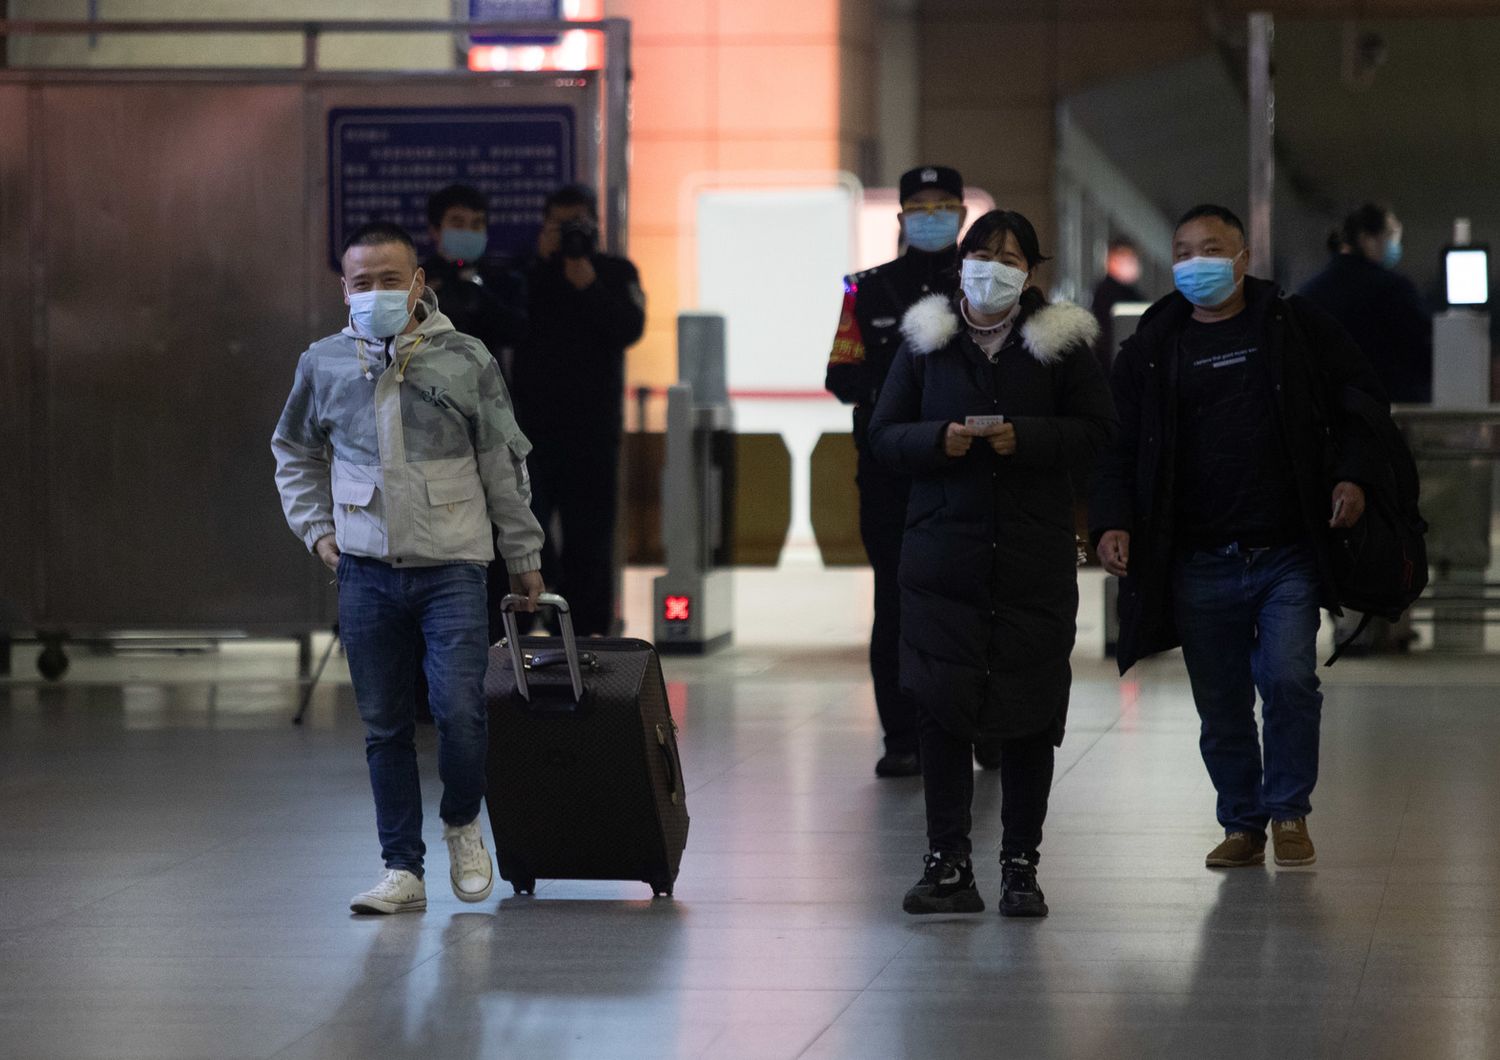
[[584, 308], [993, 403], [1389, 320], [932, 214], [1377, 306], [1122, 273], [483, 298], [1214, 506]]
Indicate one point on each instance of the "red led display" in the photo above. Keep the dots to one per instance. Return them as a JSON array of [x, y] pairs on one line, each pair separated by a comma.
[[677, 608]]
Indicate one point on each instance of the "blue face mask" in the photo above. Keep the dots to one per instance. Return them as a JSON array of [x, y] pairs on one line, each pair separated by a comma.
[[1206, 282], [932, 232], [460, 244], [380, 314], [1392, 255]]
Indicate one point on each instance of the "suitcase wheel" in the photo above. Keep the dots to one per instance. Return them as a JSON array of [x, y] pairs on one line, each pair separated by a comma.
[[660, 888], [524, 886]]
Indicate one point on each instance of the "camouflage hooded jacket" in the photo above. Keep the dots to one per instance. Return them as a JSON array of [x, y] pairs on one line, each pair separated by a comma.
[[407, 450]]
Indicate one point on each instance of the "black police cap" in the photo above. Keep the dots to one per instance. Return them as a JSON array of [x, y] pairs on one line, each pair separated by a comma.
[[924, 177]]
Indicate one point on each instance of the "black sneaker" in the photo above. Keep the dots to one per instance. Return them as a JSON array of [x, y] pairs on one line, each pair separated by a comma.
[[946, 887], [898, 765], [1019, 893]]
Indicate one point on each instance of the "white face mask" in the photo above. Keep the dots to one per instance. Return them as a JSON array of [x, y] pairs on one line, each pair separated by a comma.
[[991, 286], [380, 314]]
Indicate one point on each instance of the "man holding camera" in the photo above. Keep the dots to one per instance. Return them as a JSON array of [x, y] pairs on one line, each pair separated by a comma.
[[585, 308]]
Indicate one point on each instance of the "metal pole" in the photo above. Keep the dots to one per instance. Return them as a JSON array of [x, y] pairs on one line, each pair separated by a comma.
[[1262, 142], [617, 76], [310, 47]]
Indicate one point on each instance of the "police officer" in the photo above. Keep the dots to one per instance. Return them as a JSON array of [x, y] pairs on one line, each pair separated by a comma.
[[869, 333], [584, 308]]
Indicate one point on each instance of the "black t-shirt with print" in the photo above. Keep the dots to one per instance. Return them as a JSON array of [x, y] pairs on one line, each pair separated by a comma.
[[1234, 480]]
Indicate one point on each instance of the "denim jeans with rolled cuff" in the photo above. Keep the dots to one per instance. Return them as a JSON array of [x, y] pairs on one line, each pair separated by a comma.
[[385, 614]]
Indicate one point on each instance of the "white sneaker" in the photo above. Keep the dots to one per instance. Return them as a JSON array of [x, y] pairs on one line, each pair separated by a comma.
[[469, 864], [398, 891]]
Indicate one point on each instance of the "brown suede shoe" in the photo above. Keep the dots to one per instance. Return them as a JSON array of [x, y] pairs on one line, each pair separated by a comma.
[[1239, 850], [1293, 845]]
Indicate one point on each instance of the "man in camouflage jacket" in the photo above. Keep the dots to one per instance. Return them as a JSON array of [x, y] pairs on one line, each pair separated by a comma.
[[395, 453]]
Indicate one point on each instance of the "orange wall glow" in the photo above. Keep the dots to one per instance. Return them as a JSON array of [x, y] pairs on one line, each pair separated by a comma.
[[723, 87]]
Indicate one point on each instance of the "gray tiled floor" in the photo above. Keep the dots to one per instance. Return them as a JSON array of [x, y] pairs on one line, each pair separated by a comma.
[[176, 858]]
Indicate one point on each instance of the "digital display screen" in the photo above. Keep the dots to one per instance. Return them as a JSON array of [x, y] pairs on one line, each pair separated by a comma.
[[1467, 270]]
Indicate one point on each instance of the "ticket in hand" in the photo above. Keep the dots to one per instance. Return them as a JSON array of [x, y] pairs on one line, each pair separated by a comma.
[[979, 423]]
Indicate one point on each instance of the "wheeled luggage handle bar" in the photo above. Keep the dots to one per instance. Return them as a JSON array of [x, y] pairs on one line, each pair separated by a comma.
[[513, 638]]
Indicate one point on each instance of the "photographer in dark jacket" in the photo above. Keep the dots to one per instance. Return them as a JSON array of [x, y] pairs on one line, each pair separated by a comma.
[[1233, 462], [869, 333], [585, 308]]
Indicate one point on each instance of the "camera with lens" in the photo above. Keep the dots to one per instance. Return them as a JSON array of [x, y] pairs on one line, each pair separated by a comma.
[[579, 238]]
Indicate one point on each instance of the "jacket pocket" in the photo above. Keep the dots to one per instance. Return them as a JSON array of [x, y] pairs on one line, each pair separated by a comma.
[[358, 527], [457, 518]]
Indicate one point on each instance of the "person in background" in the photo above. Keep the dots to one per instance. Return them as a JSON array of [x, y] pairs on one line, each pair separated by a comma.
[[1377, 306], [584, 308], [1122, 273], [395, 454], [993, 404], [869, 333], [482, 295], [1215, 508], [1392, 325]]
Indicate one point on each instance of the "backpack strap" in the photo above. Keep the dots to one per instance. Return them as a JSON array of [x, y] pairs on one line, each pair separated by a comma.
[[1348, 642]]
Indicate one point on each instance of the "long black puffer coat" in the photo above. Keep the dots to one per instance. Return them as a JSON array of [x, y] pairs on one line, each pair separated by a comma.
[[989, 580]]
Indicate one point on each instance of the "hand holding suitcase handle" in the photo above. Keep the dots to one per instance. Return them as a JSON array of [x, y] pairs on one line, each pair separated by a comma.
[[508, 608]]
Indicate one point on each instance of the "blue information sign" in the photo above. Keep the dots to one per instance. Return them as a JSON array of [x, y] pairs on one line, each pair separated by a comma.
[[515, 11], [384, 163]]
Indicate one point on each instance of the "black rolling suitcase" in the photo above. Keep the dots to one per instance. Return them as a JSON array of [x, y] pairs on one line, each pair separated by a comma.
[[585, 782]]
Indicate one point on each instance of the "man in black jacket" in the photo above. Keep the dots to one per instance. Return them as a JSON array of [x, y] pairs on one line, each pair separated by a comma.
[[585, 308], [869, 333], [482, 296], [1233, 462]]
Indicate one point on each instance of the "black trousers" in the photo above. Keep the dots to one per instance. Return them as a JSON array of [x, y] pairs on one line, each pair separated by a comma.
[[882, 522], [575, 477], [948, 779]]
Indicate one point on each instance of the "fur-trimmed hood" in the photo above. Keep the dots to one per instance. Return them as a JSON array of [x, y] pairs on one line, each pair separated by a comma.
[[1047, 333]]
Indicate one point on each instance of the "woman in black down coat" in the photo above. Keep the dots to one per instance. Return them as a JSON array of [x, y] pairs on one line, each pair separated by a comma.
[[989, 580]]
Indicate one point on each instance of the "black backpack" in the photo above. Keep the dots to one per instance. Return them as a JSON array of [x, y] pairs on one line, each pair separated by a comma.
[[1380, 564]]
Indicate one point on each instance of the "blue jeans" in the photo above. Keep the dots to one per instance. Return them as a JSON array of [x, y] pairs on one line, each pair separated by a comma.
[[384, 616], [1249, 620]]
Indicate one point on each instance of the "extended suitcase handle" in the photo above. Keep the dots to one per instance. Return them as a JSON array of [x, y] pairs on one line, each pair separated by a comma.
[[513, 638]]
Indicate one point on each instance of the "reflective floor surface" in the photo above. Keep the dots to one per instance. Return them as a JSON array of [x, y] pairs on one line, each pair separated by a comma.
[[177, 859]]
